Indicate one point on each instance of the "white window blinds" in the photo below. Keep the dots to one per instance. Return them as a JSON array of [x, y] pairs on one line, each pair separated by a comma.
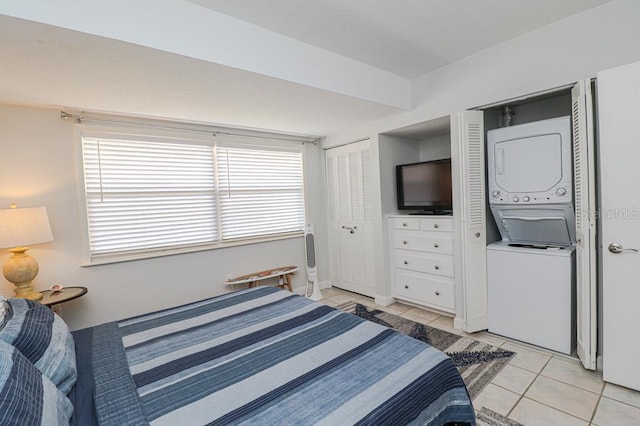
[[261, 192], [147, 196]]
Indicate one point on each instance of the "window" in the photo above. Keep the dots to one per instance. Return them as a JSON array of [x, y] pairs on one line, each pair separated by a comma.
[[149, 196]]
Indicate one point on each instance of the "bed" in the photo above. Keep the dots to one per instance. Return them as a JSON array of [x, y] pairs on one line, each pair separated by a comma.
[[261, 356]]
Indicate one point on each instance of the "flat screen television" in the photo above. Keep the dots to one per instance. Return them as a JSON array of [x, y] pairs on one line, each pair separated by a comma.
[[425, 187]]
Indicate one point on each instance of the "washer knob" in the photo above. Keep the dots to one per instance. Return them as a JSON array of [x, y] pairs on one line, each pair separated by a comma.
[[495, 194], [561, 191], [516, 199], [526, 199]]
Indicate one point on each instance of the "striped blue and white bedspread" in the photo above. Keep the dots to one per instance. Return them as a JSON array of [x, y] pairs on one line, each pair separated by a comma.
[[265, 356]]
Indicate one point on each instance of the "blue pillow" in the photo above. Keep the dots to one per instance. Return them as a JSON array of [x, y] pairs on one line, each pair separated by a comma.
[[27, 397], [44, 339]]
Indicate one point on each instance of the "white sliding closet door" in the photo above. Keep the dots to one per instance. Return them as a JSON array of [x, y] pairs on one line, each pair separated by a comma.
[[350, 217], [585, 198], [467, 165]]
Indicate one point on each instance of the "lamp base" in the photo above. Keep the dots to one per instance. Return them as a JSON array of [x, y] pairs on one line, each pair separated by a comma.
[[26, 291], [20, 269]]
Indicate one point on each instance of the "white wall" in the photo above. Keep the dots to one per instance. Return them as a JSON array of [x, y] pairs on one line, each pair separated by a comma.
[[553, 56], [38, 168]]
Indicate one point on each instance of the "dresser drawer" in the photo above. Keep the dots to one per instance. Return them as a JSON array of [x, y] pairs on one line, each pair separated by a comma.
[[432, 242], [405, 223], [437, 224], [430, 263], [427, 289]]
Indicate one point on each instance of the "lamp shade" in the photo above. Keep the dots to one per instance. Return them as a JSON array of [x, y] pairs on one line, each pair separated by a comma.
[[24, 226]]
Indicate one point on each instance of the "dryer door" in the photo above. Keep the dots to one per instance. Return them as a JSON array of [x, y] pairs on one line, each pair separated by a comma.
[[532, 164]]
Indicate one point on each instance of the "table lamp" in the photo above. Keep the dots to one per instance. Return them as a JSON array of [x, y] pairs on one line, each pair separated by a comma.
[[18, 228]]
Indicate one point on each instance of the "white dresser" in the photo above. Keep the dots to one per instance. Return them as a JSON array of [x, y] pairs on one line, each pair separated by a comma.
[[422, 260]]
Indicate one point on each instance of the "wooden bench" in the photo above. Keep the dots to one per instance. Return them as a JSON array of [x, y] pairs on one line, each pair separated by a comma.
[[283, 273]]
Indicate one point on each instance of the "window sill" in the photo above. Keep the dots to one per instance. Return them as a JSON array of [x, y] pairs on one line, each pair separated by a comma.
[[141, 255]]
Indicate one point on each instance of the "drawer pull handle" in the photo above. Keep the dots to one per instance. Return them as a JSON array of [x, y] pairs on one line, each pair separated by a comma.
[[406, 262], [437, 267], [404, 224], [435, 225], [437, 293], [404, 242], [406, 286], [436, 245]]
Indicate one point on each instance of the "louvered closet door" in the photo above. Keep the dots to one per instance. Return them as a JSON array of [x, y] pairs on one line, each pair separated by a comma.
[[467, 162], [350, 217], [585, 197]]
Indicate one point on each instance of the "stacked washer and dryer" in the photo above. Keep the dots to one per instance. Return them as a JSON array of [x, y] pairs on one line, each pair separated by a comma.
[[531, 272]]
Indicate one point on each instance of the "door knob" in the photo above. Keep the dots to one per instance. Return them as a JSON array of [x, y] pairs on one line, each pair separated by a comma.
[[616, 248]]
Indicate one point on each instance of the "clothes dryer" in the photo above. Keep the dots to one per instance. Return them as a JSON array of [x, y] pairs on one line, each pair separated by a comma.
[[531, 163]]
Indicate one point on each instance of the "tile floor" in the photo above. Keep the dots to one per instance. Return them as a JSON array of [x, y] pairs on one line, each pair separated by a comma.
[[538, 387]]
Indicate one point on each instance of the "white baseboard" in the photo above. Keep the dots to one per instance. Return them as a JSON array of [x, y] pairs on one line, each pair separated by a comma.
[[459, 323], [384, 300], [477, 324], [325, 285]]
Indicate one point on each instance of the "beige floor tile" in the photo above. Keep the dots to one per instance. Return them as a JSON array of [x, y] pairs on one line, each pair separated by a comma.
[[532, 413], [415, 318], [340, 299], [619, 393], [485, 338], [574, 374], [395, 308], [526, 358], [514, 379], [330, 292], [364, 299], [561, 396], [610, 413], [328, 302], [497, 399], [445, 323], [426, 315]]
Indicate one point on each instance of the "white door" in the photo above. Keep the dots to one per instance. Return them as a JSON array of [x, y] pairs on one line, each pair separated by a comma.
[[585, 203], [467, 165], [350, 217], [619, 153]]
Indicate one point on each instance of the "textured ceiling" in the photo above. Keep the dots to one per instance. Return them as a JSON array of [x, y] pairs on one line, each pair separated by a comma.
[[405, 37]]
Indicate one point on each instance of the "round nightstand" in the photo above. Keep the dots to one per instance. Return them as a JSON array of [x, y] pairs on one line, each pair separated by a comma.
[[50, 298]]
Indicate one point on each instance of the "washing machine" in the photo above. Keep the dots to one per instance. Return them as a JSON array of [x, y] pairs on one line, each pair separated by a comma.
[[531, 272], [531, 294]]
